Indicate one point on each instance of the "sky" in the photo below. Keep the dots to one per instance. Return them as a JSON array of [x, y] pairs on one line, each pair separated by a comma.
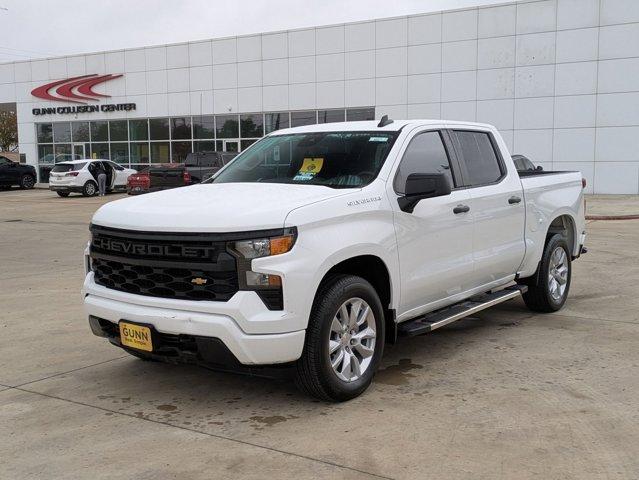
[[47, 28]]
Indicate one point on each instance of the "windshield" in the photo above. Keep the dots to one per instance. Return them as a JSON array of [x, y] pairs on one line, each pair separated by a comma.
[[68, 167], [332, 159]]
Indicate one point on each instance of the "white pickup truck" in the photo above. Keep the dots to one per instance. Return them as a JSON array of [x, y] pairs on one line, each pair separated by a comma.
[[319, 244]]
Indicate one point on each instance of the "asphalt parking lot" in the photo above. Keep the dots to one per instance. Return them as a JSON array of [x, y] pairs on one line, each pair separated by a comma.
[[509, 394]]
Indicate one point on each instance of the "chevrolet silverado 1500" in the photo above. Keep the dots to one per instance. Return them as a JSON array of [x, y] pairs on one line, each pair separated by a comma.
[[319, 244]]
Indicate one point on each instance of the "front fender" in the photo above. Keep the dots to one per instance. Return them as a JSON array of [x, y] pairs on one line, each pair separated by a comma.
[[325, 242]]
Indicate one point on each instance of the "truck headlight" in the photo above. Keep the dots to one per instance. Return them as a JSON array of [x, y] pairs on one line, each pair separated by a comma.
[[264, 247], [267, 286]]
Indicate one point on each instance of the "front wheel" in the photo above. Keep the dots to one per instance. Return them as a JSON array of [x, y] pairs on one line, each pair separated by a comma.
[[27, 181], [344, 340], [548, 288], [89, 189]]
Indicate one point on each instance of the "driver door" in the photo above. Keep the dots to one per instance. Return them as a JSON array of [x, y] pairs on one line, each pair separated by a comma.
[[435, 241]]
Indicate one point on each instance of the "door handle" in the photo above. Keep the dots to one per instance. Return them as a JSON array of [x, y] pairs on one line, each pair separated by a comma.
[[514, 199], [461, 209]]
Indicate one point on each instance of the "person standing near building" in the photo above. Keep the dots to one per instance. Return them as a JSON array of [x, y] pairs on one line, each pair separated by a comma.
[[102, 178]]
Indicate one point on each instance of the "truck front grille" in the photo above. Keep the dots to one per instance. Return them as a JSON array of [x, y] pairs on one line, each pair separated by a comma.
[[165, 282], [167, 265]]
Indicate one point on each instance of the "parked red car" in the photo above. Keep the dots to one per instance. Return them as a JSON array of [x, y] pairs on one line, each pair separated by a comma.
[[158, 177]]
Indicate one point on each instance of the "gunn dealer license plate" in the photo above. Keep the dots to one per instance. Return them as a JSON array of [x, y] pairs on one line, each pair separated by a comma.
[[136, 336]]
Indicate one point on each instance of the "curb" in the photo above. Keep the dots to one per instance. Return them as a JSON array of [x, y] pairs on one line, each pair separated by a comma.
[[612, 217]]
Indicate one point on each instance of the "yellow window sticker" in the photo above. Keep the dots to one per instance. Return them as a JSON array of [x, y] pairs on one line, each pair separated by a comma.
[[311, 166]]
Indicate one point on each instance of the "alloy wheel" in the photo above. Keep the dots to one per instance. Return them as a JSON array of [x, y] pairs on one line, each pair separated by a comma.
[[28, 181], [351, 343], [558, 274]]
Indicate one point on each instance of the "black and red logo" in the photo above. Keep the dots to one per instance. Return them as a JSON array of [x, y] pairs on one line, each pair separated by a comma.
[[75, 89]]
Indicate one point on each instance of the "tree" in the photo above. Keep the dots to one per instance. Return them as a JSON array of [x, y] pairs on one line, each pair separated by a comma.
[[8, 131]]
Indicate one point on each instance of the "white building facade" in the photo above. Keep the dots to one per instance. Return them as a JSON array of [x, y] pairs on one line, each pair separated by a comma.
[[559, 78]]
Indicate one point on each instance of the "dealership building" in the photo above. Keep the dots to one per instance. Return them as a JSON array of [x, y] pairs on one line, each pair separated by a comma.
[[559, 78]]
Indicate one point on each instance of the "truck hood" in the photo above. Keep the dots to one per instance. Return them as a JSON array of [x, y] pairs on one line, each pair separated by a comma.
[[223, 207]]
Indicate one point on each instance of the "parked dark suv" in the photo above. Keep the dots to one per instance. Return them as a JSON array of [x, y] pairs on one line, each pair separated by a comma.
[[13, 173], [202, 165]]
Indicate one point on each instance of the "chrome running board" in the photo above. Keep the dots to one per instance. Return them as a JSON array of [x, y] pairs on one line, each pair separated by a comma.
[[439, 318]]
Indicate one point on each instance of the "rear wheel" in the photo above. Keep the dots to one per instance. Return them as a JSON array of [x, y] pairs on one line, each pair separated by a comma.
[[548, 288], [89, 189], [27, 181], [63, 194], [344, 340]]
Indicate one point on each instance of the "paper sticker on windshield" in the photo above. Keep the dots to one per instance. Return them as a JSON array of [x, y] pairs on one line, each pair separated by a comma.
[[378, 139], [310, 167]]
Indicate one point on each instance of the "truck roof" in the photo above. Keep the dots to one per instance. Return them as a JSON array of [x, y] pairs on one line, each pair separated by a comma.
[[369, 126]]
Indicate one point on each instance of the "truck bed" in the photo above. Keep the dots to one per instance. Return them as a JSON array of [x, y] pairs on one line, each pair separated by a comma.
[[535, 173]]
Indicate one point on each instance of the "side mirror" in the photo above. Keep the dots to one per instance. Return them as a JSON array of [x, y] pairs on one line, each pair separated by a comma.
[[539, 168], [423, 185]]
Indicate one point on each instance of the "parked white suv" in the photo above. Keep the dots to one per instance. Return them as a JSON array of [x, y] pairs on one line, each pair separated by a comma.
[[80, 176], [319, 244]]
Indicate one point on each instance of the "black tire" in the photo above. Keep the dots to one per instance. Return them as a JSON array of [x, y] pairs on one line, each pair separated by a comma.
[[314, 374], [90, 189], [27, 181], [538, 298], [63, 194]]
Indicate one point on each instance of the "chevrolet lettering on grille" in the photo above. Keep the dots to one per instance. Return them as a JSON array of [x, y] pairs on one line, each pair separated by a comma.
[[152, 250]]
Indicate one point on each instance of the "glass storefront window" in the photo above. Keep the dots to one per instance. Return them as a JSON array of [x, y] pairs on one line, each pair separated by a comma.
[[226, 126], [247, 143], [100, 150], [251, 126], [140, 152], [204, 146], [275, 121], [355, 114], [231, 146], [180, 128], [328, 116], [160, 152], [80, 131], [61, 132], [45, 153], [62, 152], [161, 140], [44, 132], [120, 152], [299, 119], [139, 129], [100, 131], [118, 131], [204, 127], [159, 128], [179, 151]]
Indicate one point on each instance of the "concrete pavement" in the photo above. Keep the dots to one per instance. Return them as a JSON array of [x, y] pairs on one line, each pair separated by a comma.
[[510, 395]]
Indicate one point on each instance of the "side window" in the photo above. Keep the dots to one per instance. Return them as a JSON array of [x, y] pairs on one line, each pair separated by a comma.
[[425, 154], [479, 157]]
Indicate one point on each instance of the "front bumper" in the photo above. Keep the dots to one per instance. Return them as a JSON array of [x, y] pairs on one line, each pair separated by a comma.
[[228, 325]]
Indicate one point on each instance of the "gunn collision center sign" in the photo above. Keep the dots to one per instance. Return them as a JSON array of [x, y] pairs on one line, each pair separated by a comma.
[[77, 90]]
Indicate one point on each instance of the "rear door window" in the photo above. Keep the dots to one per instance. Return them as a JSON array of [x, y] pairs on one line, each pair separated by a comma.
[[478, 156], [68, 167], [425, 154]]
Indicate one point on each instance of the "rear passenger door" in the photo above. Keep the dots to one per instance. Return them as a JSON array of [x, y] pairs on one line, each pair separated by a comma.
[[496, 204]]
